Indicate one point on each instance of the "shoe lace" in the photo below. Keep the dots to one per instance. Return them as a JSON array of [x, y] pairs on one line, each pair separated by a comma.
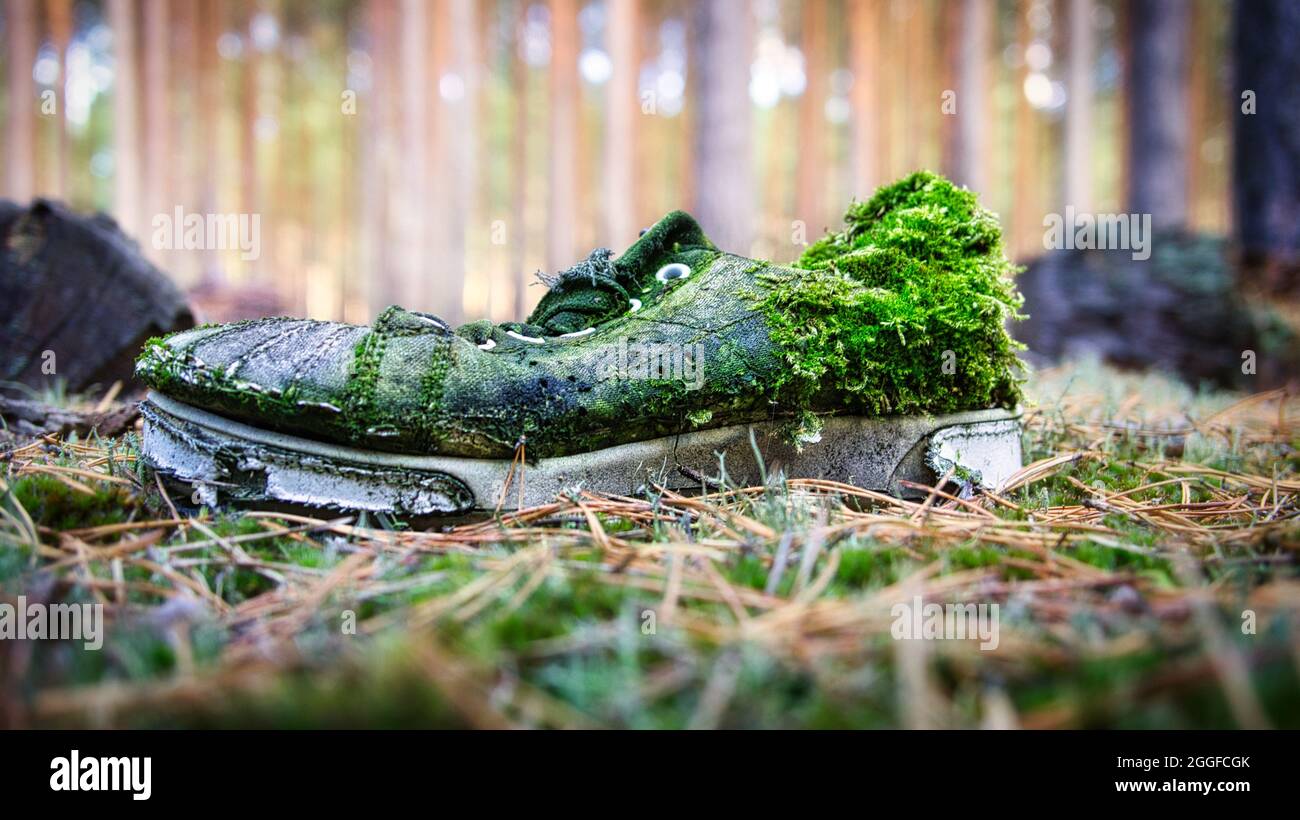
[[582, 295]]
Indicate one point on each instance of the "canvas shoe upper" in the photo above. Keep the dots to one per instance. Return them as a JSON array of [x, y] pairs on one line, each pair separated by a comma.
[[902, 312]]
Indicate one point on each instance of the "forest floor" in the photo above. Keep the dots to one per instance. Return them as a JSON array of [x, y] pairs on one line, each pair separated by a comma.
[[1144, 564]]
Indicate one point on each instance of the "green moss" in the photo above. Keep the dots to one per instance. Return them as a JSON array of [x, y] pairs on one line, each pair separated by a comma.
[[805, 428], [167, 370], [432, 421], [902, 311], [56, 505], [676, 231], [699, 418], [360, 397]]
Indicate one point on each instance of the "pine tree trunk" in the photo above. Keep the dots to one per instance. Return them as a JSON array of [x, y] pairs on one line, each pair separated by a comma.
[[414, 173], [622, 107], [864, 60], [916, 56], [562, 198], [157, 127], [249, 195], [1078, 113], [969, 130], [1157, 117], [457, 136], [209, 22], [723, 152], [126, 129], [377, 135], [810, 167], [1266, 149], [59, 14], [517, 230], [21, 105], [1024, 218]]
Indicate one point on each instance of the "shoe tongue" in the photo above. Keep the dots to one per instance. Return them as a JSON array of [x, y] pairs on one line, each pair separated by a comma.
[[598, 288], [580, 308], [675, 231], [582, 295]]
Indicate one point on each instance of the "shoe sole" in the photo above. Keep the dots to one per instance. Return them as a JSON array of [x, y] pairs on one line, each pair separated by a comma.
[[221, 458]]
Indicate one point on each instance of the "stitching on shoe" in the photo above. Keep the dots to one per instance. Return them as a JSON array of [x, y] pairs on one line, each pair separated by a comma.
[[364, 380], [431, 392]]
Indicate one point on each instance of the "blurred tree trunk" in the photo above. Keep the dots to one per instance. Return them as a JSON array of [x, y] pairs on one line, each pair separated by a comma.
[[209, 20], [292, 150], [967, 129], [724, 185], [886, 93], [517, 230], [459, 124], [249, 195], [449, 194], [1266, 147], [21, 105], [378, 180], [916, 56], [1078, 112], [59, 14], [126, 108], [183, 181], [1025, 222], [864, 62], [810, 166], [1201, 87], [1157, 111], [435, 188], [157, 127], [622, 107], [353, 276], [562, 198], [414, 173]]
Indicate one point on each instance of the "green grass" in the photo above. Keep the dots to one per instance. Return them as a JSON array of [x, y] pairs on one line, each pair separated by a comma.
[[590, 640]]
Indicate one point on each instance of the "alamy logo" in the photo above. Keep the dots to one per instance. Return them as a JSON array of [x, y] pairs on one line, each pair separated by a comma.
[[918, 620], [1086, 231], [102, 774], [651, 360], [71, 622], [208, 232]]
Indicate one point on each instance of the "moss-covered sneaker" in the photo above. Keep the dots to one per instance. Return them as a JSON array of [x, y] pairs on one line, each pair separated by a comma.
[[880, 356]]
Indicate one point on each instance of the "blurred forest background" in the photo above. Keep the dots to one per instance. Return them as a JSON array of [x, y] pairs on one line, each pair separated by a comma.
[[438, 153]]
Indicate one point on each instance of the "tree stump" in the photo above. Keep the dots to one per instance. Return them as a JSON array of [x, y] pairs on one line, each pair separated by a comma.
[[80, 298], [1179, 311]]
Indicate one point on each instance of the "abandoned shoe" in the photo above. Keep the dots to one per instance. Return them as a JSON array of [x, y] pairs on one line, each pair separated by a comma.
[[880, 356]]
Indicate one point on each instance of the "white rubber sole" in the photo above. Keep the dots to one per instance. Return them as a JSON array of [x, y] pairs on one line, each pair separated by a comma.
[[225, 458]]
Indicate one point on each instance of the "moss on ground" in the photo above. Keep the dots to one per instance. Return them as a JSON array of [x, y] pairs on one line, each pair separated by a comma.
[[1117, 654], [57, 505]]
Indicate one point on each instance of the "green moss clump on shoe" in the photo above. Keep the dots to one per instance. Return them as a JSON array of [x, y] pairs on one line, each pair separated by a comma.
[[902, 311]]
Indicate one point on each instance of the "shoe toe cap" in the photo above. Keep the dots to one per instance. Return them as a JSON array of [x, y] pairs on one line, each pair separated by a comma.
[[285, 369]]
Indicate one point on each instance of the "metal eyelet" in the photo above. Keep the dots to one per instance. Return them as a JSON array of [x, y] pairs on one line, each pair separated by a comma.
[[488, 345], [533, 340], [636, 305], [578, 333], [673, 270]]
